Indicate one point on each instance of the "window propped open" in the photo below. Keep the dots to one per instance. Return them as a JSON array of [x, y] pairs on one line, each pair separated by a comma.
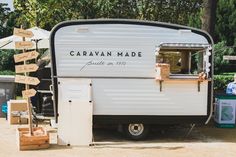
[[185, 60]]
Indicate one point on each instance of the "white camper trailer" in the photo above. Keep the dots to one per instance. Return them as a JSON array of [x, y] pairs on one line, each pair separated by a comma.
[[110, 69]]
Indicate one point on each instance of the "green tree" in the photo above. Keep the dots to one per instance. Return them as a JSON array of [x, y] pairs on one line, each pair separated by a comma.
[[7, 22], [226, 21], [115, 9], [6, 60], [208, 16], [47, 13], [4, 15], [194, 20], [220, 65], [30, 12]]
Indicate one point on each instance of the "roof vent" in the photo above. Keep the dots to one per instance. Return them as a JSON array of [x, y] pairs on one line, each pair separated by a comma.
[[184, 31], [82, 30]]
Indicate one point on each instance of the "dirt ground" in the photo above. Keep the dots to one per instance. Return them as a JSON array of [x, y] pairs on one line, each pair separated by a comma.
[[206, 141]]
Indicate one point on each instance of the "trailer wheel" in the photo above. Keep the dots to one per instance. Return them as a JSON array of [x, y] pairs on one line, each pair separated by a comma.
[[136, 131]]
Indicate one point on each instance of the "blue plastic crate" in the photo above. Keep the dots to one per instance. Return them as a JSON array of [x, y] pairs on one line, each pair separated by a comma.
[[4, 107]]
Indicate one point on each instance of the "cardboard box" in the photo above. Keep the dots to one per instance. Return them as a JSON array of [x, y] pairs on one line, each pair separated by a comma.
[[162, 71], [15, 106]]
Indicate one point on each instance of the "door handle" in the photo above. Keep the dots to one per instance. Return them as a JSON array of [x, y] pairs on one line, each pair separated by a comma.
[[69, 101]]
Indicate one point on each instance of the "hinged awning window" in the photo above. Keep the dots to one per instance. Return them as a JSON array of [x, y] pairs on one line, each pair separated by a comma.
[[196, 46]]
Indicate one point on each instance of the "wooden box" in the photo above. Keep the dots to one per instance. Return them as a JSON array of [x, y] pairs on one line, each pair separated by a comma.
[[52, 136], [162, 71], [16, 106], [39, 139]]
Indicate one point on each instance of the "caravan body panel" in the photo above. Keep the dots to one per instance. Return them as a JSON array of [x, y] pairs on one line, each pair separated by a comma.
[[143, 97], [113, 50], [119, 57]]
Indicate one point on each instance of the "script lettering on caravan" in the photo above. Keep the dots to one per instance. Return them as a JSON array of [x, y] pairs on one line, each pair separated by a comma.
[[92, 63], [116, 58]]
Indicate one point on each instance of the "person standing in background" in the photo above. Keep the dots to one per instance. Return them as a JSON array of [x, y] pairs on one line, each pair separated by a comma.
[[231, 87]]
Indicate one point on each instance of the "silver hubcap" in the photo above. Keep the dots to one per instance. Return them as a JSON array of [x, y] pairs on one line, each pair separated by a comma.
[[136, 129]]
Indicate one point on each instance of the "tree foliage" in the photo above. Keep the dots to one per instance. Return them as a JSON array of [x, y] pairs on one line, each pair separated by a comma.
[[208, 16], [226, 21], [3, 17], [221, 81], [6, 60], [47, 13], [7, 21], [220, 65]]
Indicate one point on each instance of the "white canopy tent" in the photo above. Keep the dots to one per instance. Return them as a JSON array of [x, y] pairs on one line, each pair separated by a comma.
[[40, 39]]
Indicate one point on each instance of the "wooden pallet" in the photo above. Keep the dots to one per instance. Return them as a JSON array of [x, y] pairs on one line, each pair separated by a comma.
[[39, 139]]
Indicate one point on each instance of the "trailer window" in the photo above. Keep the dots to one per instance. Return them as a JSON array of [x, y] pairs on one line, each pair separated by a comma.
[[182, 61]]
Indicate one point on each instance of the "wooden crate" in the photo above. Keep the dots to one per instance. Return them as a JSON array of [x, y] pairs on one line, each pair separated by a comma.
[[39, 139], [162, 71]]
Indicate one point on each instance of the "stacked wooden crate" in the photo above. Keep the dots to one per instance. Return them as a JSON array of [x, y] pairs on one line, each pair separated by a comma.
[[26, 141]]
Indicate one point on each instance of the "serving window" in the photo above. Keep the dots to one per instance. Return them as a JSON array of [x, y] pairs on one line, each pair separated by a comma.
[[184, 60]]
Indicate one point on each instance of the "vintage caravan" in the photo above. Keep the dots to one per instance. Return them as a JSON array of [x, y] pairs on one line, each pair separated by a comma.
[[132, 73]]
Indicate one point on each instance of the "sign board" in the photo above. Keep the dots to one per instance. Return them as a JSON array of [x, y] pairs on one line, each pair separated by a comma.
[[25, 56], [26, 80], [26, 68], [229, 57], [23, 44], [28, 93], [23, 33]]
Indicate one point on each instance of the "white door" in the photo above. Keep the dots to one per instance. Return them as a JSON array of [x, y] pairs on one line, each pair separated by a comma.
[[75, 112]]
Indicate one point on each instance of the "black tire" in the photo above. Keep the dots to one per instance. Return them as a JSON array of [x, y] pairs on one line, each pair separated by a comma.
[[136, 131]]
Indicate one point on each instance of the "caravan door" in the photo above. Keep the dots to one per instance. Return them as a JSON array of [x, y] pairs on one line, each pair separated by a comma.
[[75, 112]]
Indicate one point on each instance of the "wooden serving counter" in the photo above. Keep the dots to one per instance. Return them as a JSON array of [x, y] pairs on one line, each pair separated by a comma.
[[183, 80]]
